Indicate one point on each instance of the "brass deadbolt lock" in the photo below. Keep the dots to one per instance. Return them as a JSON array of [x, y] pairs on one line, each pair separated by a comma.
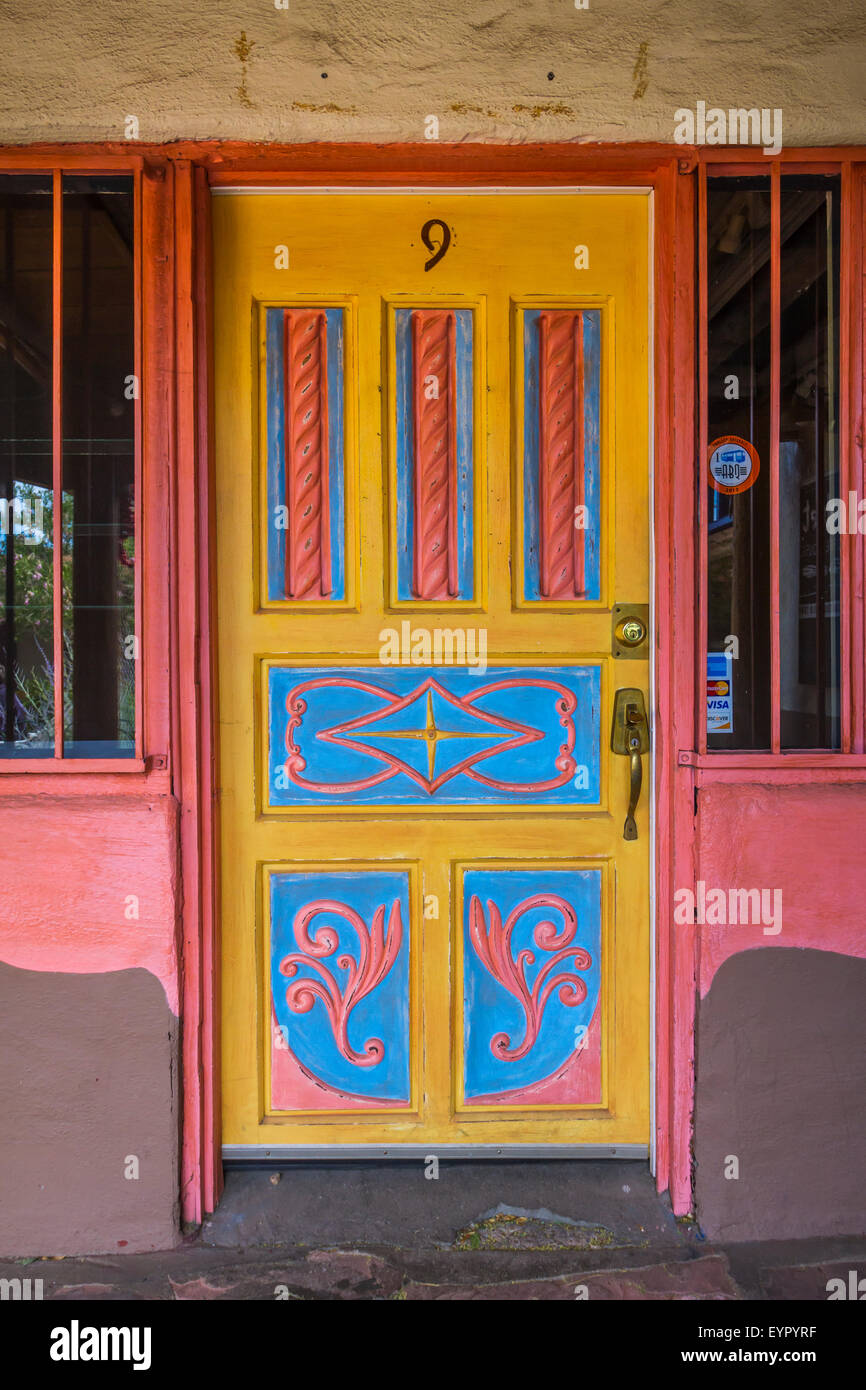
[[630, 631], [630, 628]]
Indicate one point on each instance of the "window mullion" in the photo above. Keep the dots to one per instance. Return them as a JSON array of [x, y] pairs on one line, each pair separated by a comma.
[[775, 431], [57, 453], [703, 443]]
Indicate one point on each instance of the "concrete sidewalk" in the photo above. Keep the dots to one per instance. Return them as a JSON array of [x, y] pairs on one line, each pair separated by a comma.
[[511, 1231]]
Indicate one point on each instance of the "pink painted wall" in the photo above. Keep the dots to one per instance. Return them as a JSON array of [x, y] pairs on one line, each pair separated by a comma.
[[806, 840], [70, 865]]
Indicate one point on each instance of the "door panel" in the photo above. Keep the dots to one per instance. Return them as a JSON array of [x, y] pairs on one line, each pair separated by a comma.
[[351, 737], [542, 1045], [432, 487], [368, 914]]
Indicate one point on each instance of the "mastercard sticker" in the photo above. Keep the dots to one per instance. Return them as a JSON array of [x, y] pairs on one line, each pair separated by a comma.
[[720, 693]]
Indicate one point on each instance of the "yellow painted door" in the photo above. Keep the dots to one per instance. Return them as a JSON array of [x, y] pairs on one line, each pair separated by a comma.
[[432, 492]]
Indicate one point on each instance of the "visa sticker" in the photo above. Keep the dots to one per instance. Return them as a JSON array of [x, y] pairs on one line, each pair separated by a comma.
[[720, 693]]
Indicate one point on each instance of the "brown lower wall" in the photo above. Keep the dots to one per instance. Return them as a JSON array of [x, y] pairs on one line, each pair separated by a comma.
[[781, 1067], [89, 1096]]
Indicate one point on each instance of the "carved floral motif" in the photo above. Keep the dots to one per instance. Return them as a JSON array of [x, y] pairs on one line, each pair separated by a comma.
[[493, 946], [377, 952]]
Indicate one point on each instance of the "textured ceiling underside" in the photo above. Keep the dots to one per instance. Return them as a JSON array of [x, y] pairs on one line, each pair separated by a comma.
[[77, 69]]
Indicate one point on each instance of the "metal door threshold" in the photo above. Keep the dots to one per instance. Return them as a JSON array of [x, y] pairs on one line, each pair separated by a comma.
[[249, 1155]]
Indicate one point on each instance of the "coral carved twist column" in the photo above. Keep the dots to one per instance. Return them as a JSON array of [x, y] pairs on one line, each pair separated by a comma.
[[308, 535], [561, 462], [434, 421]]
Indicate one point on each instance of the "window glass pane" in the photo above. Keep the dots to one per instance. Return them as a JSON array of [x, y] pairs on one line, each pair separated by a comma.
[[808, 463], [98, 467], [26, 514], [738, 398]]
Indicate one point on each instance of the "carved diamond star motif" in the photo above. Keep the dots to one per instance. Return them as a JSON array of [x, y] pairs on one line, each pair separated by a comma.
[[431, 718]]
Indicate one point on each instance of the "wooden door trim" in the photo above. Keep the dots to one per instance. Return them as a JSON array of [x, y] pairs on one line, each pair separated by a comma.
[[563, 166]]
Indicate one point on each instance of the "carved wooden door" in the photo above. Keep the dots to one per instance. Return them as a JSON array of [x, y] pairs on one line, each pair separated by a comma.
[[432, 490]]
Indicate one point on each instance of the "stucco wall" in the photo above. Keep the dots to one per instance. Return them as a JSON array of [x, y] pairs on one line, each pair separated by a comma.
[[76, 69], [780, 1129]]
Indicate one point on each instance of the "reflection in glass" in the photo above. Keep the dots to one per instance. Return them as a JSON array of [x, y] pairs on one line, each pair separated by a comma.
[[26, 511], [808, 463], [738, 396], [99, 392]]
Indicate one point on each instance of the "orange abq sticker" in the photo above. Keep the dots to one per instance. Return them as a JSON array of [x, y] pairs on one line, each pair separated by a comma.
[[732, 464]]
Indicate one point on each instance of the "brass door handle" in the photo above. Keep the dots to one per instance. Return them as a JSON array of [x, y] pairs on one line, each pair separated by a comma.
[[630, 737], [635, 780]]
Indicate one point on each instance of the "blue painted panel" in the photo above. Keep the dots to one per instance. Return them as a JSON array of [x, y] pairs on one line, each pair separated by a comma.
[[380, 1016], [406, 452], [276, 486], [491, 1010], [362, 736], [591, 452]]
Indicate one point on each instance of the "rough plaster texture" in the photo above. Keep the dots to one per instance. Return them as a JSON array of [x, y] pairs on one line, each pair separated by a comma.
[[752, 836], [781, 1075], [75, 69], [89, 1080], [95, 884]]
